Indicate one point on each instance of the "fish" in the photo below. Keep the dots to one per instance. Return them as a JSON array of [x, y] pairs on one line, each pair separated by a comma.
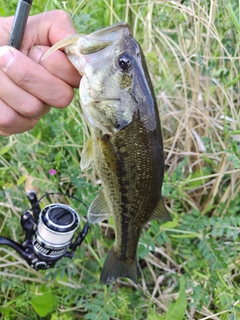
[[126, 143]]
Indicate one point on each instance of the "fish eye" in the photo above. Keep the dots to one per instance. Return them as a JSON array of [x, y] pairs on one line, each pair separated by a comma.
[[125, 61]]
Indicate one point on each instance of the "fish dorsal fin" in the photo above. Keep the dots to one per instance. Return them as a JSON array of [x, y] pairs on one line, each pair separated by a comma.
[[87, 154], [99, 209], [160, 212]]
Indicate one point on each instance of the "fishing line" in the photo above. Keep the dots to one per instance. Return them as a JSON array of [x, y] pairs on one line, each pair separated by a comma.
[[40, 25], [49, 232]]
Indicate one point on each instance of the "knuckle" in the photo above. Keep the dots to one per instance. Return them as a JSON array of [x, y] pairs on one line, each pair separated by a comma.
[[35, 110], [63, 97], [12, 122], [31, 110], [5, 134], [63, 15], [12, 126], [31, 124], [7, 125], [7, 122]]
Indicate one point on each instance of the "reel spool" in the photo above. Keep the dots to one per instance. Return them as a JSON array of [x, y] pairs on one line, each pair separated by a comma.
[[49, 233]]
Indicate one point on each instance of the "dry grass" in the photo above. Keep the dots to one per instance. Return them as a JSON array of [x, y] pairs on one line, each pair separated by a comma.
[[192, 49]]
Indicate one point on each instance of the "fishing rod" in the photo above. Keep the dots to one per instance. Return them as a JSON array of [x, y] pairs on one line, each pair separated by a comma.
[[19, 23], [49, 233]]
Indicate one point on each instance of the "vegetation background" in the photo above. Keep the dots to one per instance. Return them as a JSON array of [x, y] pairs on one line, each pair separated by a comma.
[[189, 267]]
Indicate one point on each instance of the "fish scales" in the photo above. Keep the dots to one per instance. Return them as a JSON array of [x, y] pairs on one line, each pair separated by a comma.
[[130, 184], [126, 143]]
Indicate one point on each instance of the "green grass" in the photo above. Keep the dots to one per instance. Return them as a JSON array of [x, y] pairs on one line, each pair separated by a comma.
[[189, 267]]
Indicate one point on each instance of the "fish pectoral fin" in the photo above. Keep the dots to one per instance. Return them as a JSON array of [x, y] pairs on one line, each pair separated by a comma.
[[99, 209], [87, 154], [114, 267], [160, 212]]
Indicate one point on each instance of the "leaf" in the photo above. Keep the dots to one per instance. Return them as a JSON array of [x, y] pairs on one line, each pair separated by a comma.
[[95, 308], [177, 310], [90, 315], [44, 304], [153, 315], [205, 171], [21, 180], [170, 224], [4, 150], [80, 303], [232, 317], [235, 234], [152, 56], [2, 12]]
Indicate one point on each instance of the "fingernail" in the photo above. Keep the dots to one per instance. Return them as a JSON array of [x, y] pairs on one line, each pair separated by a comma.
[[36, 54], [6, 56]]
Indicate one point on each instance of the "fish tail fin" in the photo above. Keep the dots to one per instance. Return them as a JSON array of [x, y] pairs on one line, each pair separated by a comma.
[[114, 268]]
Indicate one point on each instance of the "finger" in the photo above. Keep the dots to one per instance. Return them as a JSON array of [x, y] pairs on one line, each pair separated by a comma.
[[5, 25], [57, 64], [46, 29], [35, 79], [12, 122], [19, 100]]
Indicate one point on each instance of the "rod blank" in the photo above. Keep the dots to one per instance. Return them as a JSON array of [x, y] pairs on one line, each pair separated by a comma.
[[19, 23]]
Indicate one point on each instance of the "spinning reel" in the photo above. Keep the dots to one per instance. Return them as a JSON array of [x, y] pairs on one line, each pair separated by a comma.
[[49, 233]]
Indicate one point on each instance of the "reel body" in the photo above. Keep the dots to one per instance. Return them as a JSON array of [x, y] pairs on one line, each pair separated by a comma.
[[49, 233]]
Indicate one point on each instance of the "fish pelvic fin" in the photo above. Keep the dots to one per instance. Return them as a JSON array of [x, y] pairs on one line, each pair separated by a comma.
[[115, 267], [99, 209], [160, 212], [87, 155]]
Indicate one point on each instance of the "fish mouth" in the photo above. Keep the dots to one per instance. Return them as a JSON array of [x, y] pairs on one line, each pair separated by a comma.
[[93, 42], [111, 33], [100, 39], [106, 99]]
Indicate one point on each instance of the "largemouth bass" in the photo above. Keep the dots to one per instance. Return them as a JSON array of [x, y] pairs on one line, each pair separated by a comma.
[[126, 142]]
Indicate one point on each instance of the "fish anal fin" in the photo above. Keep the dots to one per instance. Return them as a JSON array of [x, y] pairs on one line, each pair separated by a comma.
[[87, 154], [160, 212], [99, 209], [115, 267]]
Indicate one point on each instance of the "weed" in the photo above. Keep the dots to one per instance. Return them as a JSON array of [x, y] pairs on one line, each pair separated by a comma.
[[189, 267]]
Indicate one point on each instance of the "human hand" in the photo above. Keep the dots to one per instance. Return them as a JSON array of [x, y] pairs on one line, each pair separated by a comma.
[[28, 85]]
